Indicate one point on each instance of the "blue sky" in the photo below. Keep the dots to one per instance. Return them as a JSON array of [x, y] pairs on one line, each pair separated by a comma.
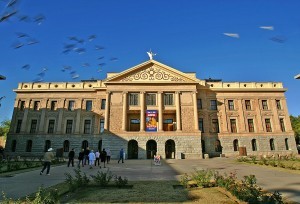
[[186, 35]]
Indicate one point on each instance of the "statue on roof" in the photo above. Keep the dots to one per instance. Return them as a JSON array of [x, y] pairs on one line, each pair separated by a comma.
[[151, 54]]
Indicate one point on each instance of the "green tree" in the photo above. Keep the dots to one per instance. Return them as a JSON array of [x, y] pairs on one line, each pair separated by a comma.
[[4, 127], [296, 127]]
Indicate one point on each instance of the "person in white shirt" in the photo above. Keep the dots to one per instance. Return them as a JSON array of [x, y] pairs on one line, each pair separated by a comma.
[[92, 158], [97, 154], [108, 155]]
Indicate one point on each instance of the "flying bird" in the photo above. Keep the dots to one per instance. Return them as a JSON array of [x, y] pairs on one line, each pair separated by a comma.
[[26, 66], [32, 41], [18, 45], [97, 47], [278, 39], [113, 59], [85, 64], [233, 35], [21, 35], [11, 3], [267, 27], [99, 58], [24, 18], [92, 37], [39, 19], [7, 16]]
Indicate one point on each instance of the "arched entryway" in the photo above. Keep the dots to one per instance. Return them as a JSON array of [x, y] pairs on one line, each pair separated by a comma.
[[170, 149], [151, 148], [133, 149]]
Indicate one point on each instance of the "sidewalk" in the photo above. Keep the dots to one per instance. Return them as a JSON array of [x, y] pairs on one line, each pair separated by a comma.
[[286, 183]]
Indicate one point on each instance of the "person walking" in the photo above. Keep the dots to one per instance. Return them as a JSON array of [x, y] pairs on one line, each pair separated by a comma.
[[92, 158], [97, 154], [103, 155], [81, 158], [108, 155], [121, 156], [48, 157], [71, 157], [86, 155]]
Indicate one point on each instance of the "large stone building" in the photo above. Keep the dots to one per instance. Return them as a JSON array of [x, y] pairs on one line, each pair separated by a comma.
[[152, 109]]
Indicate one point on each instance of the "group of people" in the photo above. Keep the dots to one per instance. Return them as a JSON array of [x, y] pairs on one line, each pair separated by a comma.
[[85, 157], [91, 158]]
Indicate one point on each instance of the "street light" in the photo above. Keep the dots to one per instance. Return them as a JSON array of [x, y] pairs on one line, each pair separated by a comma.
[[297, 76]]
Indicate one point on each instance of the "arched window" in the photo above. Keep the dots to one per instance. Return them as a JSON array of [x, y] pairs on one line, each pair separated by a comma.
[[272, 146], [47, 145], [14, 145], [66, 146], [235, 145], [286, 141], [85, 144], [254, 146], [29, 146]]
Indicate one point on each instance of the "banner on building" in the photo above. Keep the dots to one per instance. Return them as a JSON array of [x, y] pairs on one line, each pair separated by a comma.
[[151, 120]]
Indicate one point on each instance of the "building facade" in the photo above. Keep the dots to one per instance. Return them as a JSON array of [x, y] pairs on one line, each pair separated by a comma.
[[152, 109]]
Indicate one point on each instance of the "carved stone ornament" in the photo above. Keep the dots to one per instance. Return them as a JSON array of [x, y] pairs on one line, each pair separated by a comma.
[[151, 74]]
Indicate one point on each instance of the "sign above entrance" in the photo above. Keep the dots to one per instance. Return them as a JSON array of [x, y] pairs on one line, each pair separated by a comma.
[[151, 120]]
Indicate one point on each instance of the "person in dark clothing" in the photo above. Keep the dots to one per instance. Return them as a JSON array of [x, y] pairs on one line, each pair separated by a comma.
[[86, 155], [80, 158], [121, 156], [71, 157], [103, 155]]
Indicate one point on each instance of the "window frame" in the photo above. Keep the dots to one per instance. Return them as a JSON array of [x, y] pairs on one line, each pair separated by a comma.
[[248, 105], [151, 99], [69, 126], [133, 99], [87, 126], [169, 99], [51, 126], [89, 105], [265, 104], [33, 126], [213, 105], [233, 126], [71, 105], [231, 104], [251, 125], [103, 104]]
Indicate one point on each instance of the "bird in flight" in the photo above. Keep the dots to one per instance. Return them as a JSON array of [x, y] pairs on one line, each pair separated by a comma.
[[7, 16], [233, 35], [267, 27]]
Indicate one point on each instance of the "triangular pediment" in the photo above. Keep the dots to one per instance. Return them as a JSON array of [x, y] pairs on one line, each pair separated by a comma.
[[151, 71]]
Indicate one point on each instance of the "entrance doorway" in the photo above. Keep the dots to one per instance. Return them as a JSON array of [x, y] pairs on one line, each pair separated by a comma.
[[151, 148], [170, 149], [133, 149]]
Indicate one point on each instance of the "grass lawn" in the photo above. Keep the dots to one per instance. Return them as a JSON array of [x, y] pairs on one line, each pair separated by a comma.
[[148, 192]]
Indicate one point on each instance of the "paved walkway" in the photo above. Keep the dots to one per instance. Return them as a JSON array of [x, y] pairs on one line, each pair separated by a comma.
[[269, 179]]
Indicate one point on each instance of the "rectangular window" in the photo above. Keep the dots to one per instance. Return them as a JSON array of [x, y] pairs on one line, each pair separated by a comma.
[[51, 126], [278, 104], [33, 126], [151, 99], [22, 105], [69, 126], [101, 125], [230, 105], [19, 124], [71, 105], [213, 104], [199, 103], [133, 99], [215, 125], [282, 124], [87, 127], [250, 125], [201, 125], [233, 125], [168, 99], [248, 104], [36, 105], [103, 104], [268, 125], [264, 104], [53, 105], [88, 105]]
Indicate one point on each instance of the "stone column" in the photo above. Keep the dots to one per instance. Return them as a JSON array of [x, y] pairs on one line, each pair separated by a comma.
[[259, 123], [60, 106], [78, 108], [25, 116], [242, 122], [223, 123], [107, 106], [43, 106], [124, 116], [177, 104], [142, 121], [195, 111], [160, 111], [288, 125]]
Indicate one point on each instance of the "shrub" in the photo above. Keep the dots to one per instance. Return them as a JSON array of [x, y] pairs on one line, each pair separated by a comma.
[[120, 182], [44, 196], [203, 177], [184, 180], [78, 181], [102, 178], [253, 158]]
